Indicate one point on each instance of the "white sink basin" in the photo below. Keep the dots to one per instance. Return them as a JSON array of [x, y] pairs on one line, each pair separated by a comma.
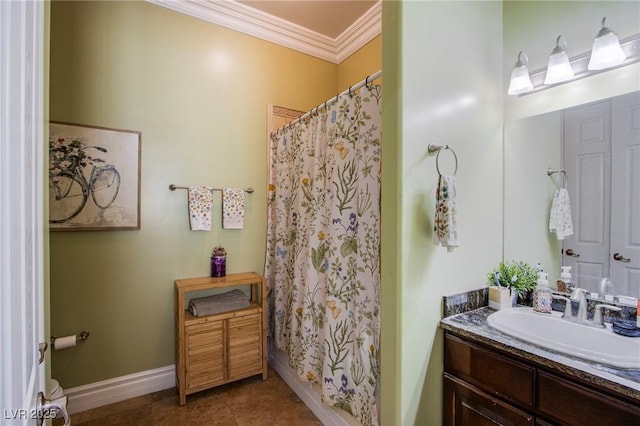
[[557, 334]]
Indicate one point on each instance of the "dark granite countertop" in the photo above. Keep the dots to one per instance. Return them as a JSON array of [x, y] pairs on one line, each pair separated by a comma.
[[473, 325]]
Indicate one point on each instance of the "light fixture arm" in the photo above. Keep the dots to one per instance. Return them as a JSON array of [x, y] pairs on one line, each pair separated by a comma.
[[561, 46], [605, 28], [520, 62]]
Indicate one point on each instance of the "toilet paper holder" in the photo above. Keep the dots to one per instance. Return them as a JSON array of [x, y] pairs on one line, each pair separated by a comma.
[[84, 335]]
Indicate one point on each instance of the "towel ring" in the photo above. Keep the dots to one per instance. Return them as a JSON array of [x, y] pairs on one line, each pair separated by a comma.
[[436, 150], [550, 171]]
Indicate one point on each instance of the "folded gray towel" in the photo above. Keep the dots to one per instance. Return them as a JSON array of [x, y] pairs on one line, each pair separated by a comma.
[[225, 302]]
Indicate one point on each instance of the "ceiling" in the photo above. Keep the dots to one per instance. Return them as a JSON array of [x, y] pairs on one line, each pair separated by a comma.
[[327, 17], [327, 29]]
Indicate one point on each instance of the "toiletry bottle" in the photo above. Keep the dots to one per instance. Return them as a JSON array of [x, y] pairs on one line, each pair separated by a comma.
[[565, 277], [542, 295]]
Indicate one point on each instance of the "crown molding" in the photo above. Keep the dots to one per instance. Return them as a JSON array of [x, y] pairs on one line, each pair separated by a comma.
[[238, 17], [365, 29]]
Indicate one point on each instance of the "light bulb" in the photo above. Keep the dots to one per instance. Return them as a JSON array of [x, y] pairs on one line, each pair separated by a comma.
[[606, 50], [520, 80], [559, 69]]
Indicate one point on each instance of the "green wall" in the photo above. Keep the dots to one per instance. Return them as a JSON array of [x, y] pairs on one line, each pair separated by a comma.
[[452, 99], [391, 198], [199, 94]]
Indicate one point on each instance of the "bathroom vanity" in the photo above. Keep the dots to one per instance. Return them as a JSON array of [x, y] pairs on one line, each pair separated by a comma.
[[216, 349], [492, 378]]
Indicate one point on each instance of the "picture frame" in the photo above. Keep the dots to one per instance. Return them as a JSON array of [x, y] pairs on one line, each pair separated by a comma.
[[94, 178]]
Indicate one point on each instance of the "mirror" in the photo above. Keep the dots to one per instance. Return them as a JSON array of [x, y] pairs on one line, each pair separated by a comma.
[[598, 144]]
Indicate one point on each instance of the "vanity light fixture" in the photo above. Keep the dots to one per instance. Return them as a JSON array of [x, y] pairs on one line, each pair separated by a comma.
[[559, 68], [606, 51], [524, 83], [520, 80]]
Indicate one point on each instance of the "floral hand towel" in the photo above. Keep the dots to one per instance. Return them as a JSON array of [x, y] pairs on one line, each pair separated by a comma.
[[445, 228], [560, 216], [232, 208], [200, 202]]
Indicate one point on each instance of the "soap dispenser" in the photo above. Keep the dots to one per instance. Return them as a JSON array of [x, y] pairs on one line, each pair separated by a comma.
[[542, 295], [565, 283]]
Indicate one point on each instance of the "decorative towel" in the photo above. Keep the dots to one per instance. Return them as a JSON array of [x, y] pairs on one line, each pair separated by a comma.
[[200, 202], [560, 216], [232, 208], [209, 305], [445, 228]]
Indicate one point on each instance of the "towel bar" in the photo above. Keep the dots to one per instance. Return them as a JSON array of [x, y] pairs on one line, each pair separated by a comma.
[[174, 187]]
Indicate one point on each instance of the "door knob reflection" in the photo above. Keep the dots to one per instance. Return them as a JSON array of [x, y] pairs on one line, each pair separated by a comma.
[[570, 252], [621, 258]]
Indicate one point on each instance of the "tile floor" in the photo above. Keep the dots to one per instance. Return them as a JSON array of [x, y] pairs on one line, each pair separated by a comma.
[[246, 402]]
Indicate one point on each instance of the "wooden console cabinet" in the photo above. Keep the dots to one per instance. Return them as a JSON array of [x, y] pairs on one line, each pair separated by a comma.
[[485, 387], [217, 349]]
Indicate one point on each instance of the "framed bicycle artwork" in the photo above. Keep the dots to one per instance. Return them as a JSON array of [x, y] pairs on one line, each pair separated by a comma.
[[94, 178]]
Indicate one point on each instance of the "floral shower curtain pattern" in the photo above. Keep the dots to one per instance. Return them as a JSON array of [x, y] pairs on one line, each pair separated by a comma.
[[323, 238]]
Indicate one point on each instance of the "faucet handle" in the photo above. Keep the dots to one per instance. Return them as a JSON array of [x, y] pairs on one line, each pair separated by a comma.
[[598, 318], [568, 313]]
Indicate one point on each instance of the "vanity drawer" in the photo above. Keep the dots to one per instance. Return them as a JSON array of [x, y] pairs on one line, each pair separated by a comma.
[[489, 371], [571, 403], [466, 405]]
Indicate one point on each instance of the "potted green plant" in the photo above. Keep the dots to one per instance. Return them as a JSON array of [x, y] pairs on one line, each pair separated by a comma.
[[516, 275]]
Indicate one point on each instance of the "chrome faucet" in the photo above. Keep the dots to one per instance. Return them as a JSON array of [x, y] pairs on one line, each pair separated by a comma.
[[580, 295]]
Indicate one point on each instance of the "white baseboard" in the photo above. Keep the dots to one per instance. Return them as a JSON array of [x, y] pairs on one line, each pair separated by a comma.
[[105, 392], [306, 392], [118, 389]]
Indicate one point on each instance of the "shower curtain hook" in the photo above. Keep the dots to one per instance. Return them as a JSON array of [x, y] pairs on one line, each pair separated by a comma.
[[350, 94], [366, 82], [337, 94], [325, 105]]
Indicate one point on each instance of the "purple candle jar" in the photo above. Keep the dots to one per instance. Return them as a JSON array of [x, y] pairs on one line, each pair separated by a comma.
[[218, 266]]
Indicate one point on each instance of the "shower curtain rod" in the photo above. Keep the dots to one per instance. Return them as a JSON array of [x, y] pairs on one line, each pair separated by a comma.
[[356, 86]]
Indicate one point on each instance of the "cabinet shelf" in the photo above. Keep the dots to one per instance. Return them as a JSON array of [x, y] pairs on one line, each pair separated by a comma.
[[190, 319], [216, 349]]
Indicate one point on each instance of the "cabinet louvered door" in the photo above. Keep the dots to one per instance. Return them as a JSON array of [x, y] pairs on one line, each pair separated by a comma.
[[205, 354], [244, 346]]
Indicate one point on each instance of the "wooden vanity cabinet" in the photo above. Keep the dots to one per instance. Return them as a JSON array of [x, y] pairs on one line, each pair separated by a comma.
[[483, 386], [216, 349]]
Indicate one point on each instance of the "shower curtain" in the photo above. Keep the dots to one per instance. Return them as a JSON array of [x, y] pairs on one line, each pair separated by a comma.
[[323, 258]]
